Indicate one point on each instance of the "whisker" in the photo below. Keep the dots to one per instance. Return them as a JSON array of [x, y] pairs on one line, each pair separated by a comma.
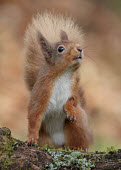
[[88, 49], [91, 59], [97, 58], [84, 47]]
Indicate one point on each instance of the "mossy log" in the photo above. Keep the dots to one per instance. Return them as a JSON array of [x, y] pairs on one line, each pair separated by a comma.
[[15, 154]]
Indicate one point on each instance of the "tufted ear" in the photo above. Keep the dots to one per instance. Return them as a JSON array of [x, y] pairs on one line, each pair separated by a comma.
[[64, 36], [45, 46]]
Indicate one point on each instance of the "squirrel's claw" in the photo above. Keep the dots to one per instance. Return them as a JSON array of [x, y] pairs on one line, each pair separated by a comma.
[[31, 141], [70, 109], [76, 148], [71, 115]]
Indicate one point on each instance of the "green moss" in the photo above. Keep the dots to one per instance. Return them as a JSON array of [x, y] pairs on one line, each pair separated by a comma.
[[5, 131], [7, 147], [1, 138], [119, 160], [103, 158], [111, 149], [46, 147], [7, 150], [6, 163], [11, 145]]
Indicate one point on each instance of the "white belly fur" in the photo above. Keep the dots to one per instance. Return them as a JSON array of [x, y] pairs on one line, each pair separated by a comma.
[[54, 116]]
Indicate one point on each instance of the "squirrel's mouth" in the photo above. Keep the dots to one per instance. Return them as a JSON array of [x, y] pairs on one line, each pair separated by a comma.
[[78, 58]]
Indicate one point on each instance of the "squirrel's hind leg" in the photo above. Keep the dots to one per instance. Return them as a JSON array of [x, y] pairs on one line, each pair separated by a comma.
[[78, 134], [44, 138]]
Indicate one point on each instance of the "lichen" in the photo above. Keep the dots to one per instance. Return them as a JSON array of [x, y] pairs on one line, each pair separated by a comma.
[[66, 158]]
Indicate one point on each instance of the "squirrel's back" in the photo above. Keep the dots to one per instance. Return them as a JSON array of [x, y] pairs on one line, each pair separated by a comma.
[[50, 26]]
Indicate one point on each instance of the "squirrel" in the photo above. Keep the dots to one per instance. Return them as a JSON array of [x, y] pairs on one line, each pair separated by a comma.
[[52, 58]]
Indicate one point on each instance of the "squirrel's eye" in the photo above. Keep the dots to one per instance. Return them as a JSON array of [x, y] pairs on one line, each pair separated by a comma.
[[60, 49]]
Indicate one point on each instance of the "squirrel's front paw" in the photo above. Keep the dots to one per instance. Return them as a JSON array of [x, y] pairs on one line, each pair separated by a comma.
[[32, 141], [71, 114]]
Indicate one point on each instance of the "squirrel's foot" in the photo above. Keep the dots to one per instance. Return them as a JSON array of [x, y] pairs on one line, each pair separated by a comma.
[[76, 148], [32, 140], [71, 114]]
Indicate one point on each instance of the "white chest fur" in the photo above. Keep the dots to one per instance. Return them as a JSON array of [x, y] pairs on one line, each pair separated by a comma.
[[54, 116]]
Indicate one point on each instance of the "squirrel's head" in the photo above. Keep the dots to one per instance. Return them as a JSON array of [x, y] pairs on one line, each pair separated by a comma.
[[63, 54]]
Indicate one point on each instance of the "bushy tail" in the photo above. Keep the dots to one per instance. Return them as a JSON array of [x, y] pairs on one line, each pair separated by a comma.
[[50, 26]]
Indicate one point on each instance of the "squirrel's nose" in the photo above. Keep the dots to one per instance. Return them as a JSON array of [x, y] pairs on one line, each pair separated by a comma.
[[81, 54], [79, 49]]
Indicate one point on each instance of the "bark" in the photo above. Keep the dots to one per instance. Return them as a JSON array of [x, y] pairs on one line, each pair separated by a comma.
[[15, 154]]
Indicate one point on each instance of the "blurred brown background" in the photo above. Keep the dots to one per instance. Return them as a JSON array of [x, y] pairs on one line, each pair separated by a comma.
[[101, 68]]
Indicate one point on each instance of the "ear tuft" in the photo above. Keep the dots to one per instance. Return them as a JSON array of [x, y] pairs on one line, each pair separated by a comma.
[[42, 40], [45, 46], [64, 36]]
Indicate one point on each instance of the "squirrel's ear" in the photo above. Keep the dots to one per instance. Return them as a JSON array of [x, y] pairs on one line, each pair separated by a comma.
[[64, 36], [45, 46]]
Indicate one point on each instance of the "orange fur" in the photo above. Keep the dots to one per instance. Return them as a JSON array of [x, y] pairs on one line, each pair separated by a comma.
[[38, 103], [69, 109], [44, 65], [77, 133]]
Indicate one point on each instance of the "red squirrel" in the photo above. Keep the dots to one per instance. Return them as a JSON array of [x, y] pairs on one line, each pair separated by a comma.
[[52, 58]]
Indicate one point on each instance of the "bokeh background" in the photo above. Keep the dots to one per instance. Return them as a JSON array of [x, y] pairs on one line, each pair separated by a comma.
[[101, 68]]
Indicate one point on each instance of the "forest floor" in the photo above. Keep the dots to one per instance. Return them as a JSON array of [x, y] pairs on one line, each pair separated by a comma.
[[15, 154]]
